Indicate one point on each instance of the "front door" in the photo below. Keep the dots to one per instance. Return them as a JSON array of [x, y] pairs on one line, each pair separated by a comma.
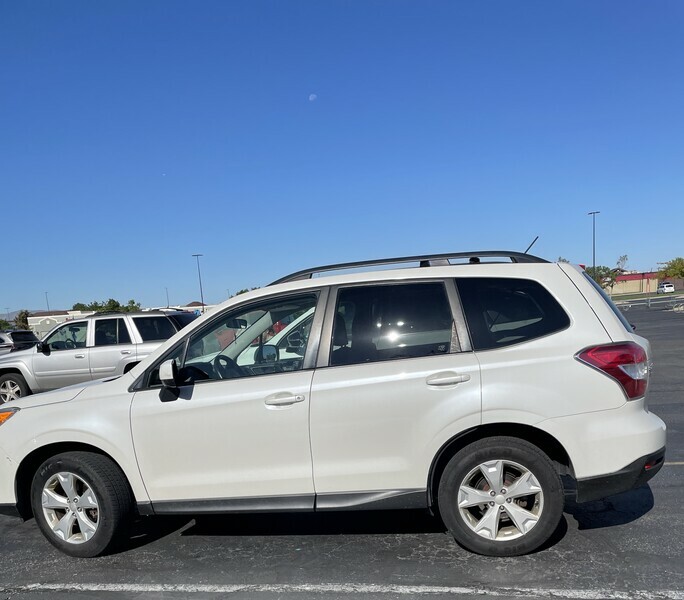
[[66, 360], [235, 434]]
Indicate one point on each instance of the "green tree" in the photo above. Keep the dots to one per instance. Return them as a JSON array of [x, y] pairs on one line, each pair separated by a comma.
[[110, 305], [5, 324], [673, 268], [244, 291], [21, 320], [604, 276]]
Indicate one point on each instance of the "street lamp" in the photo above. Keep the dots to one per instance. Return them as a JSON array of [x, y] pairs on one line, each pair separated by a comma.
[[593, 236], [199, 276], [47, 302]]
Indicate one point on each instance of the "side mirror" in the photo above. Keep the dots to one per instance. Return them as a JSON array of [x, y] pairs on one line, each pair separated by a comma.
[[267, 353], [43, 347], [168, 374]]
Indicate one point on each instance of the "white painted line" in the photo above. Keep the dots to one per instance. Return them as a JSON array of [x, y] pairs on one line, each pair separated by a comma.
[[352, 588], [674, 464]]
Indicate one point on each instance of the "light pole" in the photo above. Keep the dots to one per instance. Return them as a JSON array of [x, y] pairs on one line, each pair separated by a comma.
[[167, 297], [593, 237], [199, 276], [47, 302]]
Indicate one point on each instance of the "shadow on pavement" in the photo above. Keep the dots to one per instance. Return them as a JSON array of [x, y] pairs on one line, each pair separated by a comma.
[[338, 523], [614, 510]]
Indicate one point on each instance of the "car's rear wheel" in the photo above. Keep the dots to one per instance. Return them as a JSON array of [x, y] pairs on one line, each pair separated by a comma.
[[12, 387], [501, 497], [81, 502]]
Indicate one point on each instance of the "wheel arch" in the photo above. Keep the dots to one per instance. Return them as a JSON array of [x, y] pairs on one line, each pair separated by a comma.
[[544, 441], [32, 461], [15, 370]]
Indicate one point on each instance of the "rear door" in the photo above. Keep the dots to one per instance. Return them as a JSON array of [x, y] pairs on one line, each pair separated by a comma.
[[112, 347], [395, 380]]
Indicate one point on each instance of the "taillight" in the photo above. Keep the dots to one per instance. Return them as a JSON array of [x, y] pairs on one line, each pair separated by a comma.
[[627, 363]]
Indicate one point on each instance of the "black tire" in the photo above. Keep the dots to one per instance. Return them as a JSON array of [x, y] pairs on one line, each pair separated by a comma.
[[13, 386], [546, 504], [112, 497]]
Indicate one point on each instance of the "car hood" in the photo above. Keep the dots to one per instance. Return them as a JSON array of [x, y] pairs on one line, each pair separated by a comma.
[[61, 395]]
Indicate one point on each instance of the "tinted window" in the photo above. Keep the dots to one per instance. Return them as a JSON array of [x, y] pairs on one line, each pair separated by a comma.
[[180, 320], [389, 322], [501, 312], [154, 328], [109, 332]]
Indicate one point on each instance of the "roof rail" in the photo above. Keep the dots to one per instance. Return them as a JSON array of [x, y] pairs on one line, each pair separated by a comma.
[[427, 260]]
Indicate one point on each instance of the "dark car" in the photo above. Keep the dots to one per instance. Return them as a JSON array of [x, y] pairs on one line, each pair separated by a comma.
[[16, 340]]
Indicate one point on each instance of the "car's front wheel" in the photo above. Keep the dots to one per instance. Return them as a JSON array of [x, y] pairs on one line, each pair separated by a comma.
[[81, 502], [12, 387], [501, 497]]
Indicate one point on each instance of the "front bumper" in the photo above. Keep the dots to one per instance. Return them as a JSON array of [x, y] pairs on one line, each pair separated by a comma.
[[632, 476]]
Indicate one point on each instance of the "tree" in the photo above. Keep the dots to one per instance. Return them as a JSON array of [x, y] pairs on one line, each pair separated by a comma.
[[673, 268], [563, 260], [5, 324], [622, 262], [604, 276], [110, 305], [244, 291], [21, 320]]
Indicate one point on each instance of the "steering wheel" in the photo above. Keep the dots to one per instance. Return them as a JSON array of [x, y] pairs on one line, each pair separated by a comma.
[[227, 368], [69, 344]]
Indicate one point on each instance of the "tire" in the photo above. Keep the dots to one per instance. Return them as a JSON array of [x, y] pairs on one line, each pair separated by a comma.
[[12, 387], [95, 519], [513, 520]]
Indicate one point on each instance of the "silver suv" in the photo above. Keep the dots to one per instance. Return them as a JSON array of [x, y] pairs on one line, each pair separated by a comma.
[[19, 339], [101, 345]]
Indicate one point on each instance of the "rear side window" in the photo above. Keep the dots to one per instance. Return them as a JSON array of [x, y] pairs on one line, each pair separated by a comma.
[[501, 311], [153, 329], [390, 322], [180, 320]]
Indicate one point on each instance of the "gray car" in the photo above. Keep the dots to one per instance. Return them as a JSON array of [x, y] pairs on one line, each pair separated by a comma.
[[18, 339], [98, 346]]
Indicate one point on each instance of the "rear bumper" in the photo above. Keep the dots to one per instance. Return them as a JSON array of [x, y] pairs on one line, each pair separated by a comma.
[[632, 476]]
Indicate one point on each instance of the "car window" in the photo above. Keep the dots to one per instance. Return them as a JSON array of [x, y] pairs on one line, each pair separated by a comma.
[[389, 322], [154, 329], [244, 343], [180, 320], [68, 336], [109, 332], [502, 311]]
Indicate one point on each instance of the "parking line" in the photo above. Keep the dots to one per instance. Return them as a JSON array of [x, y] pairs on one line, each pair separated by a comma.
[[674, 464], [352, 588]]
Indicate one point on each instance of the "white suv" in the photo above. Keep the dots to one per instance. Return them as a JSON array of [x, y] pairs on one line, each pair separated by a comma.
[[466, 389]]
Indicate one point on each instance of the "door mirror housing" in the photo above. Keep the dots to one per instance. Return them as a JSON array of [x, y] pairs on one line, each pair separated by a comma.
[[43, 347], [168, 374]]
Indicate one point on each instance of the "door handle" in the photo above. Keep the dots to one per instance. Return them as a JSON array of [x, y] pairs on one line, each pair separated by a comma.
[[283, 400], [125, 352], [446, 379], [79, 356]]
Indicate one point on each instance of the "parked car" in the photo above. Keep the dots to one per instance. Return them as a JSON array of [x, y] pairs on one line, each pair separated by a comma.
[[16, 339], [465, 389], [665, 288], [101, 345]]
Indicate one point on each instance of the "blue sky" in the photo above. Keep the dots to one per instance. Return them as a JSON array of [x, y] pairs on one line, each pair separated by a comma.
[[271, 136]]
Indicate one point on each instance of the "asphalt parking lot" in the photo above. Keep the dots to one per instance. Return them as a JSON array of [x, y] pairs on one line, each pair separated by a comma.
[[627, 546]]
